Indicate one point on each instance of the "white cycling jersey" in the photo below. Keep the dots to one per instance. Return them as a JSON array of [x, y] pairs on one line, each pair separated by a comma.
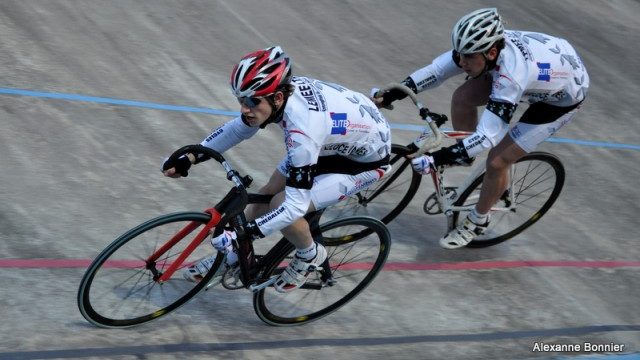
[[320, 120], [532, 68]]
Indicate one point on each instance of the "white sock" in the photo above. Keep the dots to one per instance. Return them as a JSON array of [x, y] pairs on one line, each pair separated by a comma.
[[307, 253], [232, 258], [477, 218]]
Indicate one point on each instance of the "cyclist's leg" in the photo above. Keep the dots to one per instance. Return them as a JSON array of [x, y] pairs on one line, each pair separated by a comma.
[[309, 255], [496, 177], [298, 232], [465, 101], [538, 123], [222, 242], [274, 186], [327, 190]]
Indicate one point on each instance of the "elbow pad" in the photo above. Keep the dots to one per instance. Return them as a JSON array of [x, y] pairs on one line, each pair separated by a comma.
[[301, 177]]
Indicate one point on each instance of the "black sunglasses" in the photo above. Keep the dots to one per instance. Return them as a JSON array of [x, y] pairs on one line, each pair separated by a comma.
[[250, 102]]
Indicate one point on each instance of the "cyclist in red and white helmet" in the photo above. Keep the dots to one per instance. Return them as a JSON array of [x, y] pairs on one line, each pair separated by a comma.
[[337, 143], [503, 68], [260, 74]]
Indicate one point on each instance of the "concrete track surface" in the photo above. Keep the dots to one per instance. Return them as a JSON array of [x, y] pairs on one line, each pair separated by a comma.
[[77, 171]]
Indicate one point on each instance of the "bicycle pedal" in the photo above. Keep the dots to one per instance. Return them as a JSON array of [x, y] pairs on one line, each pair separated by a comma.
[[263, 285], [231, 279], [329, 282], [432, 206], [507, 199]]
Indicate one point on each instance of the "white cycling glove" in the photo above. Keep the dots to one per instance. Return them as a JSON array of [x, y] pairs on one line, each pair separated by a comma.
[[422, 164]]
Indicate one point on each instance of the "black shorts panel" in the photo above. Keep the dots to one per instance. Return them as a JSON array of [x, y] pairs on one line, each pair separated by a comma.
[[542, 113]]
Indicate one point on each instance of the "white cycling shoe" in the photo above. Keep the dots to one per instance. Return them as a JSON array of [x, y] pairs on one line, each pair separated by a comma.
[[197, 271], [296, 274], [222, 243], [463, 234]]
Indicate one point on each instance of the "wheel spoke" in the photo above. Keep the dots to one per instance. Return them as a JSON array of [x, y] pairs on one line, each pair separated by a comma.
[[538, 179], [118, 288], [354, 264]]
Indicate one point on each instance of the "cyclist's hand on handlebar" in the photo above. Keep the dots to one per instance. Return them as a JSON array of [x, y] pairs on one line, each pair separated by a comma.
[[179, 167], [423, 164], [378, 99]]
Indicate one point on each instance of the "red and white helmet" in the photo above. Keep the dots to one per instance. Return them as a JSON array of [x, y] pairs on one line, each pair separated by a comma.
[[260, 73]]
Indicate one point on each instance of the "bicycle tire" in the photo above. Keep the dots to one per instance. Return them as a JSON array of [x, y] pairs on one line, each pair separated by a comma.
[[537, 167], [105, 299], [354, 263], [380, 200]]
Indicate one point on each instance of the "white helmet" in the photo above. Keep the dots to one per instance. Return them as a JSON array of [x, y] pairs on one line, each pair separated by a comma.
[[477, 32]]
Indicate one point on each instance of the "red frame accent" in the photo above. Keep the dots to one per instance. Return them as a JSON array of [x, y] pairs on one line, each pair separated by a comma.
[[457, 134], [215, 219]]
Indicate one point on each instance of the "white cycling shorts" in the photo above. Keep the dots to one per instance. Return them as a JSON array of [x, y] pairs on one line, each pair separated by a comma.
[[529, 136], [329, 189]]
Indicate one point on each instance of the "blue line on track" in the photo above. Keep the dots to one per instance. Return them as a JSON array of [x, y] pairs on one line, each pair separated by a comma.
[[103, 100], [150, 105]]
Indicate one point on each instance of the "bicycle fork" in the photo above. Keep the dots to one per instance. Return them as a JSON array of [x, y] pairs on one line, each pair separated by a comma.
[[166, 275]]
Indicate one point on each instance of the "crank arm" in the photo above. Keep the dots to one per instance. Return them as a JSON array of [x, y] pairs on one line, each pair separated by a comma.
[[257, 287]]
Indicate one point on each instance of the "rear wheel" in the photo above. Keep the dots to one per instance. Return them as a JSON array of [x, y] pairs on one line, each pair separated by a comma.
[[120, 289], [538, 179], [354, 261]]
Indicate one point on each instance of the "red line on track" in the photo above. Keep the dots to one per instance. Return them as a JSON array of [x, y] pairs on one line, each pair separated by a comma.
[[390, 266]]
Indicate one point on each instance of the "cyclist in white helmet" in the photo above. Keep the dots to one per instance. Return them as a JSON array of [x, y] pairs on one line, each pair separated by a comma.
[[504, 68], [337, 143]]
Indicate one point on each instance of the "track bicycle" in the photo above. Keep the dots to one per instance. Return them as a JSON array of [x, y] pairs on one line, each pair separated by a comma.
[[138, 277], [536, 181]]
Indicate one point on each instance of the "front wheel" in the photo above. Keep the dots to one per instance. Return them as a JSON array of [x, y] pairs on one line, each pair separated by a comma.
[[120, 287], [537, 181], [354, 261]]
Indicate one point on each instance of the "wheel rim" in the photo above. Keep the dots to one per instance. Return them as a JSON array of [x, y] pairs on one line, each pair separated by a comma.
[[538, 181], [354, 265], [119, 290]]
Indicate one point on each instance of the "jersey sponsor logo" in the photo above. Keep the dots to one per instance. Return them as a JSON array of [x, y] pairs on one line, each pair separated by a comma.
[[357, 187], [340, 123], [347, 149], [544, 71], [474, 141], [534, 95], [315, 100], [308, 94], [354, 126], [517, 41], [214, 134], [270, 216], [427, 82]]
